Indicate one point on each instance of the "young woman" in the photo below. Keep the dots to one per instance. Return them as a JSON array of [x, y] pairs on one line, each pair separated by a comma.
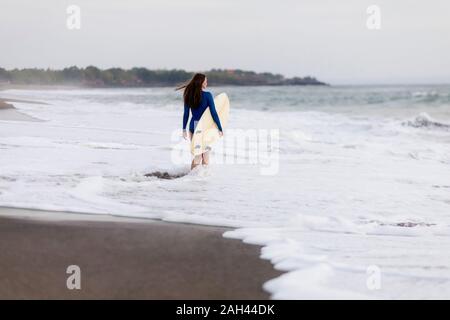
[[197, 100]]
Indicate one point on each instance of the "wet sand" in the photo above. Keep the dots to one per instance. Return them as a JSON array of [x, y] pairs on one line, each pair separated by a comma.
[[124, 259], [4, 105]]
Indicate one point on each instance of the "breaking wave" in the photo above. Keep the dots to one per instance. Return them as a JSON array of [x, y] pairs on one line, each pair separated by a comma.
[[425, 121]]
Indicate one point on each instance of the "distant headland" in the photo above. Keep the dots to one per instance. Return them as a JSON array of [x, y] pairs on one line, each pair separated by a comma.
[[141, 77]]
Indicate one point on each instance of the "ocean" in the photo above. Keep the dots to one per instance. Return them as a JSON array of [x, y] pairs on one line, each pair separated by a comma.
[[346, 187]]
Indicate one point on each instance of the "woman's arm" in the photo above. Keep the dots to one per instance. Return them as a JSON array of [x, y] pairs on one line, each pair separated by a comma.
[[212, 108], [185, 116]]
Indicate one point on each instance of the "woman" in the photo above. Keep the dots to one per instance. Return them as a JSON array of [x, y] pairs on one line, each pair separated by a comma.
[[197, 100]]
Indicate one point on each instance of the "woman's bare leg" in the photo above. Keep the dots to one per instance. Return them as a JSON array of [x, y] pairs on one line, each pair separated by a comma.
[[205, 158], [196, 161]]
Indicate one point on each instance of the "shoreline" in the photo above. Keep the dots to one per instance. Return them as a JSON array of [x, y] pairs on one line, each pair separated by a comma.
[[9, 113], [4, 105], [4, 87], [124, 258], [84, 87]]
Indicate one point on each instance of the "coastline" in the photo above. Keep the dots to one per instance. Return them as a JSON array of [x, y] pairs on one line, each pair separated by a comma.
[[9, 113], [4, 105], [124, 258], [8, 86], [92, 76]]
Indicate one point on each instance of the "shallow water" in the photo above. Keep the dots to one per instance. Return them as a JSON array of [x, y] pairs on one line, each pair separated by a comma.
[[353, 182]]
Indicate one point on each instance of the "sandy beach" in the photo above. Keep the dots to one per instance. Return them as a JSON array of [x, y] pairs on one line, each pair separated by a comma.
[[124, 259], [9, 112], [5, 106]]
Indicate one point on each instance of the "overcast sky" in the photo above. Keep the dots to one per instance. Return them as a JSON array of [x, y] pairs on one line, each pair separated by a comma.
[[328, 39]]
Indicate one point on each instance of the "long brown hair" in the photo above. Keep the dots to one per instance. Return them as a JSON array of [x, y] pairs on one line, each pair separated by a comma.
[[192, 94]]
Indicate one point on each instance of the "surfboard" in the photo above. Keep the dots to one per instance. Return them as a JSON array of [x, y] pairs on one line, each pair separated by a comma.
[[206, 132]]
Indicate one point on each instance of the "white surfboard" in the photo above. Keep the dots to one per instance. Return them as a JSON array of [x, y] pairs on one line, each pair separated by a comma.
[[206, 132]]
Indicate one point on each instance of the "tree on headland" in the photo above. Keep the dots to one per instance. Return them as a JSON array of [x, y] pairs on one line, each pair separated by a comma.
[[92, 76], [4, 75]]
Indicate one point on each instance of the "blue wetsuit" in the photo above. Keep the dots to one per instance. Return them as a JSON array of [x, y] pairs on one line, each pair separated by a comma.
[[206, 101]]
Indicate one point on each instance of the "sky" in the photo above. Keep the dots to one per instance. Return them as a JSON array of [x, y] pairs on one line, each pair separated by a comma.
[[327, 39]]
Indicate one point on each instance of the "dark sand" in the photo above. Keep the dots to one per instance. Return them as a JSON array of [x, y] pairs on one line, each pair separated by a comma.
[[126, 259], [4, 105]]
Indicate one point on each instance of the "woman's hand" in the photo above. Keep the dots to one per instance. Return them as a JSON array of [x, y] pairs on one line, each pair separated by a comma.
[[221, 134], [185, 135]]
